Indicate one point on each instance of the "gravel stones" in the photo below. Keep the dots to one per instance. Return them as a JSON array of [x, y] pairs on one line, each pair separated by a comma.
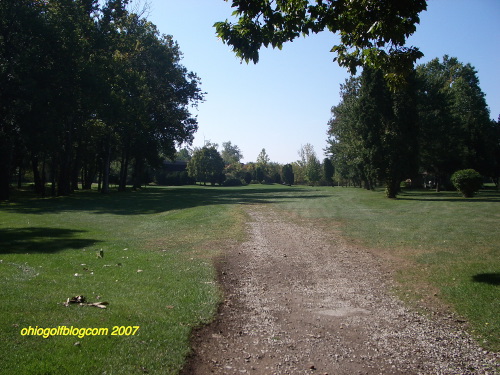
[[302, 301]]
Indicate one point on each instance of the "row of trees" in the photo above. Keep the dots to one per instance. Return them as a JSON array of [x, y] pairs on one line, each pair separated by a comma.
[[393, 121], [85, 83], [437, 123], [207, 164]]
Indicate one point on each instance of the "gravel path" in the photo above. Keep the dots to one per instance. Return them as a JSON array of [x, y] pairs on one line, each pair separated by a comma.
[[299, 301]]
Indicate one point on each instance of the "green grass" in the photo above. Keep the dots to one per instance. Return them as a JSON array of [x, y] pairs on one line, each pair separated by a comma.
[[170, 236], [440, 242]]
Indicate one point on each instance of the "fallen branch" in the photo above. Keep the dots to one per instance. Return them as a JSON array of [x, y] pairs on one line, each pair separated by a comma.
[[80, 300]]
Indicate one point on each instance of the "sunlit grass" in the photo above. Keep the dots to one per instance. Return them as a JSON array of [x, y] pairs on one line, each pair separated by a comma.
[[157, 270], [156, 273]]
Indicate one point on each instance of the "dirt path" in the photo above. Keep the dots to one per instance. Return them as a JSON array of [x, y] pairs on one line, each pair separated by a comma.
[[299, 301]]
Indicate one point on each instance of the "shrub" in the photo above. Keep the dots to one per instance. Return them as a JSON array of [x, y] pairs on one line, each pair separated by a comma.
[[467, 182], [248, 177], [267, 180], [232, 182], [173, 178]]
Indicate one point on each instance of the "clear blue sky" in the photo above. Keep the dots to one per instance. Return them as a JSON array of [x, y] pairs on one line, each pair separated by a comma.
[[284, 101]]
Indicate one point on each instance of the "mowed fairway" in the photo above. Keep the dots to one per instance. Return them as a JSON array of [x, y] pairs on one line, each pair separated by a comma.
[[157, 272]]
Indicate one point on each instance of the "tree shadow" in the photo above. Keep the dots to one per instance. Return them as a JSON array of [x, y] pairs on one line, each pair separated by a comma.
[[492, 278], [448, 196], [158, 199], [41, 240]]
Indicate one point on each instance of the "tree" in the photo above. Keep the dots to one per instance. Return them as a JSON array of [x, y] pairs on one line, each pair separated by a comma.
[[288, 177], [372, 133], [313, 170], [86, 83], [206, 165], [21, 32], [372, 32], [328, 170], [184, 154], [263, 158], [248, 172], [495, 142], [299, 173], [261, 171], [344, 139], [439, 134], [274, 175], [157, 92], [231, 154], [471, 112], [455, 129], [309, 163], [259, 174], [247, 177], [47, 51]]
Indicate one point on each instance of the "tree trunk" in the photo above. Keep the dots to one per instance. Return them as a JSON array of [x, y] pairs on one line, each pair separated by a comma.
[[19, 177], [39, 188], [123, 171], [138, 173], [4, 183], [105, 174], [64, 179], [5, 165], [438, 185], [99, 180], [391, 188], [63, 182], [88, 175], [43, 177], [76, 168], [53, 178]]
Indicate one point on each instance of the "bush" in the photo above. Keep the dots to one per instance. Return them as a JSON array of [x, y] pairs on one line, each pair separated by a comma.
[[232, 182], [276, 178], [248, 177], [467, 182], [173, 178], [267, 180]]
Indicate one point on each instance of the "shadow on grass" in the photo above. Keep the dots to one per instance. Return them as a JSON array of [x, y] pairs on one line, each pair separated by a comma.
[[40, 240], [487, 278], [489, 196], [157, 199]]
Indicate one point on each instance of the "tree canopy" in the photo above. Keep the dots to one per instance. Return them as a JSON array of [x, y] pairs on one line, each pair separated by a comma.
[[84, 83], [206, 165], [436, 124], [454, 121], [231, 154], [372, 32]]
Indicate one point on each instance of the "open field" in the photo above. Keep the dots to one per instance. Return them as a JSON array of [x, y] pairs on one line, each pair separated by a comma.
[[157, 273]]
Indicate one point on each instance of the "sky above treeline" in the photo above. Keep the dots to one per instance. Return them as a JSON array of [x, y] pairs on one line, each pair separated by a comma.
[[284, 101]]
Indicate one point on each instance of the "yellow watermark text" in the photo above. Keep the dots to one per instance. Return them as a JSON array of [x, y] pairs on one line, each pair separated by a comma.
[[79, 332]]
